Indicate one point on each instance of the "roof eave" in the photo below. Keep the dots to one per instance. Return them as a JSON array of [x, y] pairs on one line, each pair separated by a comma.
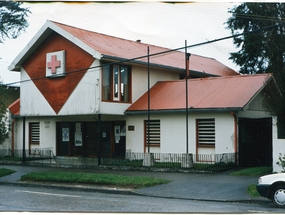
[[190, 110], [135, 61], [259, 91], [41, 35]]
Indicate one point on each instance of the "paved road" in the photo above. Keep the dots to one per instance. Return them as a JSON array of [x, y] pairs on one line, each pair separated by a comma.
[[210, 187], [46, 199]]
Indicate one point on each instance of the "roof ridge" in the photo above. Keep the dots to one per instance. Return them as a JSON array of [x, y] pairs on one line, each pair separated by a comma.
[[215, 77], [129, 40]]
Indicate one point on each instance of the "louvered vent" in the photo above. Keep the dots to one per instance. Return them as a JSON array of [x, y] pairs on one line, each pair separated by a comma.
[[206, 131], [154, 132]]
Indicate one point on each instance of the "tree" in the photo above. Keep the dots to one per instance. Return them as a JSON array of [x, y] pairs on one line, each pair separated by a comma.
[[263, 51], [12, 19], [12, 23], [4, 129]]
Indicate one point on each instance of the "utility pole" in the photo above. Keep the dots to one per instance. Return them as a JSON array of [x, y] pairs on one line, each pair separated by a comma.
[[148, 102], [187, 57]]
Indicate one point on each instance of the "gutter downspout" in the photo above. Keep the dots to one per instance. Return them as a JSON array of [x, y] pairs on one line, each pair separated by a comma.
[[24, 139], [13, 139], [235, 135]]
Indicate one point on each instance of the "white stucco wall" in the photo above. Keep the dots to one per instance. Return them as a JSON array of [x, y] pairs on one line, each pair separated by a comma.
[[86, 96], [18, 133], [140, 79], [47, 133], [135, 138], [173, 134], [32, 101], [278, 147], [83, 100]]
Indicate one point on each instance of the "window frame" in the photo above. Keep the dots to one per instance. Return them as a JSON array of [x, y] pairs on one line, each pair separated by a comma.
[[210, 141], [110, 92], [31, 133], [156, 135]]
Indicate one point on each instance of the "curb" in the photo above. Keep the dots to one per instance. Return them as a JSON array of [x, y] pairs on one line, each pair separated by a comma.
[[249, 201], [73, 188], [101, 189]]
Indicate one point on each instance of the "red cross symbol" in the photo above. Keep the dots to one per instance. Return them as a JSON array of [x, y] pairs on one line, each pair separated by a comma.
[[53, 64]]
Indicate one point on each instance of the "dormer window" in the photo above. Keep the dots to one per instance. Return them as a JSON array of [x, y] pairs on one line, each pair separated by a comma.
[[116, 83]]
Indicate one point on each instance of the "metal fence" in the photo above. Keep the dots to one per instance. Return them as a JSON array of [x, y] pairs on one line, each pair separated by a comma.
[[175, 161], [129, 160], [8, 156]]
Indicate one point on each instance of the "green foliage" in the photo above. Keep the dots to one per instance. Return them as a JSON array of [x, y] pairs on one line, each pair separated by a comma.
[[4, 172], [12, 19], [90, 178], [215, 167], [114, 162], [4, 128], [263, 51], [258, 51], [254, 171], [281, 162], [251, 190]]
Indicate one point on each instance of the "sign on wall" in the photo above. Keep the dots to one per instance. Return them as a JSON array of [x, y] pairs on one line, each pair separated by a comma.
[[65, 134], [55, 64], [78, 135]]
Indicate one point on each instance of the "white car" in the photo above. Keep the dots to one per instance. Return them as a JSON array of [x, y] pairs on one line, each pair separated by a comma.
[[273, 187]]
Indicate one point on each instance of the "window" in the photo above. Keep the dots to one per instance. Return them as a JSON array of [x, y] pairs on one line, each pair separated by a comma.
[[280, 129], [205, 132], [34, 129], [116, 83], [154, 132]]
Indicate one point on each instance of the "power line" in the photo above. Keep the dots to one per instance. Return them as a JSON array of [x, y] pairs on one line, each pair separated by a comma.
[[135, 60], [259, 17]]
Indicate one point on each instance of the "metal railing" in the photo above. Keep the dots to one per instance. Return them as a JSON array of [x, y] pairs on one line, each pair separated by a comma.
[[128, 160], [35, 155], [175, 161]]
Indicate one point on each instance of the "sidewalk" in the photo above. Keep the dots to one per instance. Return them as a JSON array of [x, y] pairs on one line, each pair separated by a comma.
[[191, 186]]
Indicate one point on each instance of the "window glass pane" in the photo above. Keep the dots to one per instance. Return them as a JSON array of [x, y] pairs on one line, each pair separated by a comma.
[[125, 84], [106, 83], [116, 83]]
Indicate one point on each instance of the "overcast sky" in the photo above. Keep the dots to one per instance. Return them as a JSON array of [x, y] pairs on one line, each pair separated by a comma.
[[163, 24]]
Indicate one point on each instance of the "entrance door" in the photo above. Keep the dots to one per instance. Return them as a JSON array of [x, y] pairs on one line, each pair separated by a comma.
[[81, 139], [63, 139], [255, 142], [119, 139], [90, 139]]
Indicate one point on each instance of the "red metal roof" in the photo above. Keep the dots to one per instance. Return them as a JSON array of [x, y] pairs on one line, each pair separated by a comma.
[[15, 107], [110, 46], [204, 93]]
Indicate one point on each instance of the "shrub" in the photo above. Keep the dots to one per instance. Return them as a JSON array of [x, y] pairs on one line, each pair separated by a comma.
[[281, 162]]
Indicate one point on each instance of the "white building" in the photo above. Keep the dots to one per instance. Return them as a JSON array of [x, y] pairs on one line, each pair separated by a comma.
[[75, 82]]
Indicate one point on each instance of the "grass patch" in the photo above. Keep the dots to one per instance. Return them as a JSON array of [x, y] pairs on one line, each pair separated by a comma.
[[251, 190], [90, 178], [216, 167], [9, 158], [119, 162], [4, 172], [254, 171]]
